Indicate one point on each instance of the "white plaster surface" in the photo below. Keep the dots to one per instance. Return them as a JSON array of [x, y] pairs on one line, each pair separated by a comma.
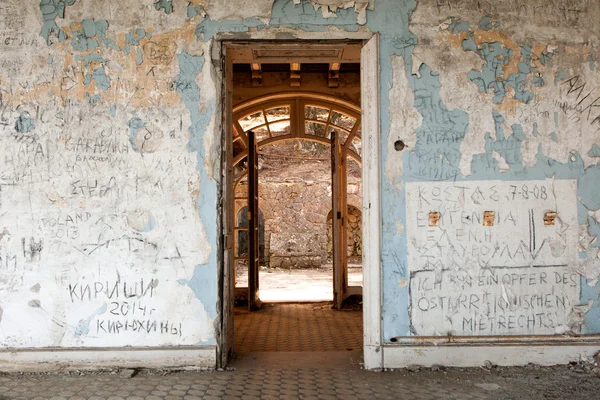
[[477, 355], [54, 360], [219, 10], [517, 276], [329, 7], [100, 229], [404, 120]]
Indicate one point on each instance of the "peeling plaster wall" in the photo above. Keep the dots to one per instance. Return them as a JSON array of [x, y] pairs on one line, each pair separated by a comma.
[[108, 202], [109, 123], [506, 103]]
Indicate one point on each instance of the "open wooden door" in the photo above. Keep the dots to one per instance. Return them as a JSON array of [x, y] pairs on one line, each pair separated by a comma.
[[338, 207], [254, 302], [225, 350]]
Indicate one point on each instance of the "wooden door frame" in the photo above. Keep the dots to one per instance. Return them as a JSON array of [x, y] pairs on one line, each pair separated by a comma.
[[371, 203], [371, 196]]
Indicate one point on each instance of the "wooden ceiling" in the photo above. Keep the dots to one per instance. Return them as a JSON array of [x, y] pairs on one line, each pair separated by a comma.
[[295, 57]]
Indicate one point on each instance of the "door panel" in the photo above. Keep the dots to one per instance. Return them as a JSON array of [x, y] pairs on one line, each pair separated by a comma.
[[254, 302], [343, 179], [338, 217]]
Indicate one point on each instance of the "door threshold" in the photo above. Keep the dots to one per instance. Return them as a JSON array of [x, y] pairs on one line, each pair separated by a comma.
[[286, 360]]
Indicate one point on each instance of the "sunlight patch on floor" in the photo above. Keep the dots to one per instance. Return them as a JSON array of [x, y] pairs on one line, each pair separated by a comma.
[[277, 285]]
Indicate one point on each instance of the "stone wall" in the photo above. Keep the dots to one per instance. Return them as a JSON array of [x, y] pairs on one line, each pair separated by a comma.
[[297, 219], [354, 244]]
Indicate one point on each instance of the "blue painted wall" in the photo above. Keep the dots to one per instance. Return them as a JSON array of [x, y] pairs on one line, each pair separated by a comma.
[[511, 64]]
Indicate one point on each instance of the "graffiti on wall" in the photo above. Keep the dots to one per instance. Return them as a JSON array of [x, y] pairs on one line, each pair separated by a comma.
[[99, 221], [492, 257]]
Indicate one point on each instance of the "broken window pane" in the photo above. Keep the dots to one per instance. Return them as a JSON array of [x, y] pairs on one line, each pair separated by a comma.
[[280, 128], [357, 146], [238, 147], [261, 134], [278, 113], [242, 165], [315, 128], [242, 242], [241, 191], [342, 120], [252, 120], [316, 113]]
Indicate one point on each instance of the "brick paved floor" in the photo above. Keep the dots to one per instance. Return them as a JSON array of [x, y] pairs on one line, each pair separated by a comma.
[[285, 374], [297, 327], [326, 375]]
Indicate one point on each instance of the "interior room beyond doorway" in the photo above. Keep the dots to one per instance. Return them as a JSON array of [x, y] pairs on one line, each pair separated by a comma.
[[295, 224], [293, 123]]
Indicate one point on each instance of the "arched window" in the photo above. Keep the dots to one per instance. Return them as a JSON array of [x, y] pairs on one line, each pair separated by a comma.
[[292, 116]]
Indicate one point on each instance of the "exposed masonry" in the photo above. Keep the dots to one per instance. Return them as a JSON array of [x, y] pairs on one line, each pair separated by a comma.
[[297, 222], [112, 111]]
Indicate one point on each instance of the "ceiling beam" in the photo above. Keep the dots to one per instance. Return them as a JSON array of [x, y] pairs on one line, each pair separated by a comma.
[[334, 75], [256, 74], [295, 74]]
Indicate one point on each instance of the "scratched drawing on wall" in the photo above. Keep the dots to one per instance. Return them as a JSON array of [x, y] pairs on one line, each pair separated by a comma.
[[492, 258], [110, 154]]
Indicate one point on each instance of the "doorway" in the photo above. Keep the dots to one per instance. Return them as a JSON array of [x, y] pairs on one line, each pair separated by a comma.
[[292, 122], [296, 187]]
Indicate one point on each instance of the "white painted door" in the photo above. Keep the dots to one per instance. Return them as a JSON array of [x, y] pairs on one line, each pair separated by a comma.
[[371, 212]]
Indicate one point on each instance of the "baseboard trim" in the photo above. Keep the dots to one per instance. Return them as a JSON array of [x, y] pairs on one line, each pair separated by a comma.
[[473, 355], [60, 359], [373, 357]]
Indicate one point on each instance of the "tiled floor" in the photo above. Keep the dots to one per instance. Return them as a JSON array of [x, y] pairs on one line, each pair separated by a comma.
[[328, 375], [242, 384], [288, 351], [297, 327]]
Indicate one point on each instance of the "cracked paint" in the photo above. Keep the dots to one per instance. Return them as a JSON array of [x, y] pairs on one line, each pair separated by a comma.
[[202, 281], [330, 7], [116, 114], [406, 119], [165, 5], [24, 123], [508, 67], [52, 9]]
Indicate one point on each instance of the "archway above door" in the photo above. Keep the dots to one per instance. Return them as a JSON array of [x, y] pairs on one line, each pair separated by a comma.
[[295, 116]]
